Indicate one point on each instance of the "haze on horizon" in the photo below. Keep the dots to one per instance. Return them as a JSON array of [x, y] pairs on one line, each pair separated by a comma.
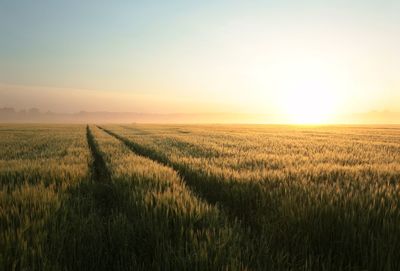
[[300, 61]]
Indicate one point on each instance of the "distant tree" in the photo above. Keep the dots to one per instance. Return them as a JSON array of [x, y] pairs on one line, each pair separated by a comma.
[[7, 111]]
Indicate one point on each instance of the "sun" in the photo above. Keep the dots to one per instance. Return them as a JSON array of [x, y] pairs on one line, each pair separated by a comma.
[[308, 102], [310, 93], [301, 87]]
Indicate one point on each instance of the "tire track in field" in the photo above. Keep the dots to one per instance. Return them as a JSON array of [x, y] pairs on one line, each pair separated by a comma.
[[105, 193], [99, 169], [83, 240], [140, 150], [188, 176], [255, 247]]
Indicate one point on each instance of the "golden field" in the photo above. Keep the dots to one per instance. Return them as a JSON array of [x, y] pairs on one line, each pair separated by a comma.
[[199, 197]]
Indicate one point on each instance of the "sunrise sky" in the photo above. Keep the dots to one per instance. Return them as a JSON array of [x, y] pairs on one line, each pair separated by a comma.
[[306, 61]]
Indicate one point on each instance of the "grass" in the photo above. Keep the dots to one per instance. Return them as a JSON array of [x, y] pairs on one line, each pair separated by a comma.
[[195, 197]]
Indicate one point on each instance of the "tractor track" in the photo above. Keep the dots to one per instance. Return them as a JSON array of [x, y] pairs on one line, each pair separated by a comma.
[[104, 191]]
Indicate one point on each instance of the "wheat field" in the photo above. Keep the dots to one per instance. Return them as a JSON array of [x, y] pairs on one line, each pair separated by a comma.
[[199, 197]]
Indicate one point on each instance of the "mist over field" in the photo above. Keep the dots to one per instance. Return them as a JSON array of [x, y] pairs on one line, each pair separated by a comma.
[[34, 115]]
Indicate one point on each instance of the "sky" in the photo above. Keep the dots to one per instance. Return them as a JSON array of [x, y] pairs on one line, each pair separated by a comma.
[[306, 61]]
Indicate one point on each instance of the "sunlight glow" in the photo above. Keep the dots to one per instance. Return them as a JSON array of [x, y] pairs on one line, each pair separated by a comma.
[[307, 101], [310, 91]]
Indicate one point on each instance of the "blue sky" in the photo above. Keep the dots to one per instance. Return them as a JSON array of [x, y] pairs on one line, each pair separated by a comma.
[[201, 56]]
